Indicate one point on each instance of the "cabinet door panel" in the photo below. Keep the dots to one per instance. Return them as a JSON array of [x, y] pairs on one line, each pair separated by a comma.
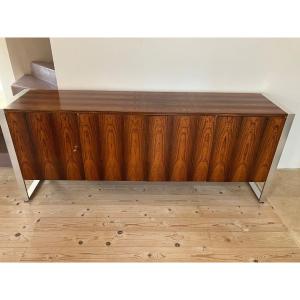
[[111, 144], [23, 145], [205, 127], [69, 144], [158, 147], [267, 148], [181, 146], [223, 146], [46, 147], [89, 139], [246, 148], [135, 127]]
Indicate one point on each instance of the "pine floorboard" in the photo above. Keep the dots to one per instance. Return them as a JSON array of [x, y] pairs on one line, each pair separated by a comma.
[[79, 221]]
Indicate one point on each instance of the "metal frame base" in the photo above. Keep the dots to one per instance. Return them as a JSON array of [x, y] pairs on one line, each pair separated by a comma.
[[32, 188], [258, 191]]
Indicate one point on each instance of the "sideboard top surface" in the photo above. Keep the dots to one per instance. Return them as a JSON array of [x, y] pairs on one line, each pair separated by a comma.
[[146, 102]]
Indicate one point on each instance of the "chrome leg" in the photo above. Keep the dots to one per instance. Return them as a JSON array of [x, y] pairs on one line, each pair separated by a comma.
[[256, 189], [262, 192], [33, 187], [26, 193]]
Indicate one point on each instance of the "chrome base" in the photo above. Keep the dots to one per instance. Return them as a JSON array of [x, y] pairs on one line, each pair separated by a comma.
[[32, 188], [258, 191], [28, 191]]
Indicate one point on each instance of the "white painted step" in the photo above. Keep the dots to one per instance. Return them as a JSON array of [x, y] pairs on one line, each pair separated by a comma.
[[31, 82], [44, 71]]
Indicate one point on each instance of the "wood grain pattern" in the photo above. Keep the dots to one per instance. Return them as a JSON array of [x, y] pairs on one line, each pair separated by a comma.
[[111, 133], [246, 148], [202, 148], [69, 142], [136, 147], [146, 222], [158, 149], [90, 150], [225, 138], [158, 254], [22, 142], [181, 146], [41, 129], [135, 128], [147, 102], [267, 148], [155, 136]]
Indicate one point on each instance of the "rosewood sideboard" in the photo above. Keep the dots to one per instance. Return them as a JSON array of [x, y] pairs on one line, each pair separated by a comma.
[[145, 136]]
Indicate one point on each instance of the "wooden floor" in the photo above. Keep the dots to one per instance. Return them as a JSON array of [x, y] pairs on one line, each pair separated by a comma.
[[92, 221]]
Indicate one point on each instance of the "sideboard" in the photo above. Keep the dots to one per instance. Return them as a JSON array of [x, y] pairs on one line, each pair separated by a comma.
[[145, 136]]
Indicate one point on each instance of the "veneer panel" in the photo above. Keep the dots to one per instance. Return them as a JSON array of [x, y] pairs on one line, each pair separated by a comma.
[[22, 142], [45, 144], [246, 148], [181, 147], [111, 144], [135, 130], [89, 136], [267, 148], [203, 146], [158, 148], [227, 129], [69, 144]]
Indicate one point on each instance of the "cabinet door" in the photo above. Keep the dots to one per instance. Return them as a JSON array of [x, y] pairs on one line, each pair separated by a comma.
[[111, 145], [90, 149], [205, 128], [35, 144], [67, 137], [225, 141], [47, 144], [135, 146], [244, 147], [23, 145], [44, 144], [181, 147], [158, 147], [267, 147]]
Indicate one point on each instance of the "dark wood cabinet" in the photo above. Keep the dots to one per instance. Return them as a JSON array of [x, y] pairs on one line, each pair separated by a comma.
[[144, 136]]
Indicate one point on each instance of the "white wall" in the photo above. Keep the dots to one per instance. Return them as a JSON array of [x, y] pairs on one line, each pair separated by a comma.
[[6, 74], [22, 51], [271, 66]]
